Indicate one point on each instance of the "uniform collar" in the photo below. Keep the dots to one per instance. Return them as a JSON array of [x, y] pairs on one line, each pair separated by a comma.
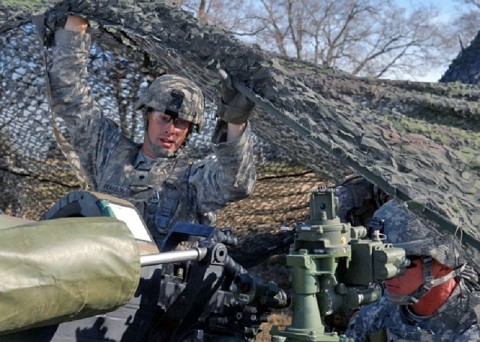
[[144, 162]]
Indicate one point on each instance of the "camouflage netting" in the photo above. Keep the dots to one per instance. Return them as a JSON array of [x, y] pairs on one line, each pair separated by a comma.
[[417, 141]]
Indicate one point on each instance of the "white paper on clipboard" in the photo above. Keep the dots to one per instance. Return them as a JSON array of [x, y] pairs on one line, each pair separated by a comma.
[[132, 220]]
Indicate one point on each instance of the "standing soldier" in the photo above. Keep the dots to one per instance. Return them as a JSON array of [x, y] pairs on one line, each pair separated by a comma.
[[156, 176], [358, 200]]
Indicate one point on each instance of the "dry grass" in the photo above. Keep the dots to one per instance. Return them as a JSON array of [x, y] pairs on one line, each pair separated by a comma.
[[274, 269], [280, 319]]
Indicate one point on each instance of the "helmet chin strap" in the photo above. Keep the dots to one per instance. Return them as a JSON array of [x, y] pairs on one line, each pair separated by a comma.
[[159, 151], [428, 283]]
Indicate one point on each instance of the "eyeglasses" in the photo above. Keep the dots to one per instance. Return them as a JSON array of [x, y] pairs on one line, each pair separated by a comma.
[[163, 119], [412, 259]]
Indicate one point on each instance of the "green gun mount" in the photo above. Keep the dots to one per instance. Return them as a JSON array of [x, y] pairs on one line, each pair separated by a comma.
[[333, 268]]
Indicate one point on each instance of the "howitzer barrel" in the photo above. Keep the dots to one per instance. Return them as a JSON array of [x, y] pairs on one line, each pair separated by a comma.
[[174, 256]]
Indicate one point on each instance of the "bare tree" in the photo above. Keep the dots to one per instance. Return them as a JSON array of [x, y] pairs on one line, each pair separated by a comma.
[[475, 3], [230, 15], [364, 37], [467, 24]]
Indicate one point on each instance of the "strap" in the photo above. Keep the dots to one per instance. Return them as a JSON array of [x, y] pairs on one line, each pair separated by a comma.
[[63, 144], [165, 213], [453, 274], [172, 194], [428, 283]]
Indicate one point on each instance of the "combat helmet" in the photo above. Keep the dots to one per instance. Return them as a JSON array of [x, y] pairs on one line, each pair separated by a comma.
[[175, 94], [404, 229]]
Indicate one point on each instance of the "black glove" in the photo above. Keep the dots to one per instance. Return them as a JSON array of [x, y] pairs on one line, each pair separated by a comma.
[[234, 107]]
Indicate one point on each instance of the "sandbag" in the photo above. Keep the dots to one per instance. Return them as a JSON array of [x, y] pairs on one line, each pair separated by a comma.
[[65, 269]]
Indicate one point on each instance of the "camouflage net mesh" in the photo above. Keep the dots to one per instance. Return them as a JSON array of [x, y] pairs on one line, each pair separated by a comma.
[[417, 141]]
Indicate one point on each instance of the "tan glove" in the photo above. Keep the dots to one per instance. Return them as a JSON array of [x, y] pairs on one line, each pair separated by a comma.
[[234, 107]]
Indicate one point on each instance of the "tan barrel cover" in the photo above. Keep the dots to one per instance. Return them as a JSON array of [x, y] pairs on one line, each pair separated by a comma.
[[65, 269]]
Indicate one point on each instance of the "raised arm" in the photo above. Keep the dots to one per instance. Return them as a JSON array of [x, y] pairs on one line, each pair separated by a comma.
[[72, 100], [231, 176]]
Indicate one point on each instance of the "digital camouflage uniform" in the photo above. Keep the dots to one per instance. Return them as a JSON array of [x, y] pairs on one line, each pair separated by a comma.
[[456, 320], [165, 190], [358, 199]]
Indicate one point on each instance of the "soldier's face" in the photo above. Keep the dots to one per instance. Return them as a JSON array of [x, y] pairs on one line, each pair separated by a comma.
[[166, 131], [408, 282], [412, 279]]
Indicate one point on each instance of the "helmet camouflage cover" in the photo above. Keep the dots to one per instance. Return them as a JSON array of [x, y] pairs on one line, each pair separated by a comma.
[[404, 229], [175, 94]]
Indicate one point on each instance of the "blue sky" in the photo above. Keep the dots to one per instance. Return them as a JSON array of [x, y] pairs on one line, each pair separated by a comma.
[[446, 9], [443, 5]]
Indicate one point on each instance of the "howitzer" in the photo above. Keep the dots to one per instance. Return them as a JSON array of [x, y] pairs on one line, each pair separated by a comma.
[[333, 268], [107, 281], [200, 293]]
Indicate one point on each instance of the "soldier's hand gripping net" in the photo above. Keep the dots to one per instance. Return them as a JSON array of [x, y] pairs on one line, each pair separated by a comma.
[[234, 107]]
